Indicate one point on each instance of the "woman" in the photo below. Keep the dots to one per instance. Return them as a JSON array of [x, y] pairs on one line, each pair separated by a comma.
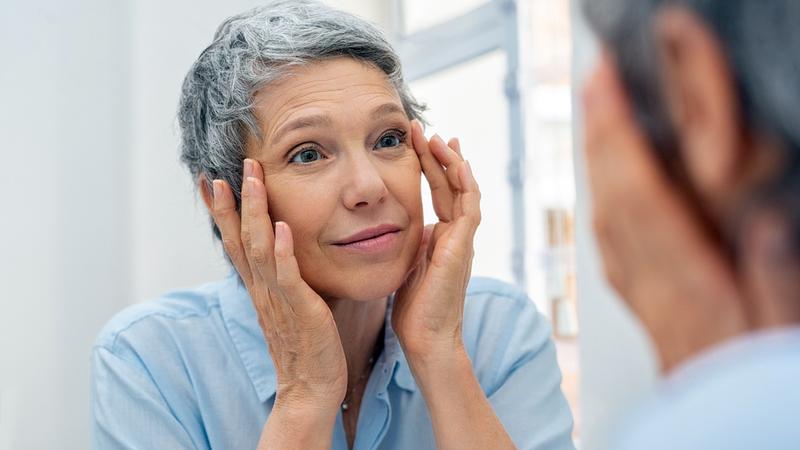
[[345, 324]]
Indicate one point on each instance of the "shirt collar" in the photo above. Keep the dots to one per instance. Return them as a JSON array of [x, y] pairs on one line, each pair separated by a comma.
[[393, 354], [241, 322]]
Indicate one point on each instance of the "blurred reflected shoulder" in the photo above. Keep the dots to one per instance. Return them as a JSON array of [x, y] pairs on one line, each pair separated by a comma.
[[738, 396]]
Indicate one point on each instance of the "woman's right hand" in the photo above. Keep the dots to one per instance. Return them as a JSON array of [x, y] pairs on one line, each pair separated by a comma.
[[299, 328]]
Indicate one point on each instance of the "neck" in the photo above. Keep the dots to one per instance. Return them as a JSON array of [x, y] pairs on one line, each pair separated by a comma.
[[360, 325]]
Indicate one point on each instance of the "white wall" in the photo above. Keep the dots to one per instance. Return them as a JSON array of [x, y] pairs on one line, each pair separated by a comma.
[[617, 363], [96, 212], [63, 125]]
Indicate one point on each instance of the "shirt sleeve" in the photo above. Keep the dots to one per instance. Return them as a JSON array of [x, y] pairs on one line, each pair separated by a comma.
[[128, 411]]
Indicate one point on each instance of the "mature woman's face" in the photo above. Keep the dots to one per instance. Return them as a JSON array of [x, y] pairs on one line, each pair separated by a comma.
[[341, 171]]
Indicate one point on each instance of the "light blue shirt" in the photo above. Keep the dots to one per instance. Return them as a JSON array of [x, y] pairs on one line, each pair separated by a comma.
[[743, 395], [191, 370]]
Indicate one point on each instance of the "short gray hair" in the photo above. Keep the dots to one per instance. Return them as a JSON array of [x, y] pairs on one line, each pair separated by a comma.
[[253, 49], [761, 40]]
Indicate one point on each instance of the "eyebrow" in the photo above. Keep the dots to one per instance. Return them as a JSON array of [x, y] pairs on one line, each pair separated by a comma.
[[302, 122], [318, 120], [387, 109]]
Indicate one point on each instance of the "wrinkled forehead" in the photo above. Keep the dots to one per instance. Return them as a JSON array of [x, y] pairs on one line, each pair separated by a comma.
[[339, 83], [340, 92]]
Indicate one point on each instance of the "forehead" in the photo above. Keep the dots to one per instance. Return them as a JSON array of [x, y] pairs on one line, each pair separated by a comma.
[[340, 83]]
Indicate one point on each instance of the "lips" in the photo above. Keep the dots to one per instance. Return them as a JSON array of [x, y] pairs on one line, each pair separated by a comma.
[[369, 233]]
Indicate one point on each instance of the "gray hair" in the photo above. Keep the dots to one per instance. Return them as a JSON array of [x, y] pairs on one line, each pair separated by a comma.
[[761, 40], [253, 49]]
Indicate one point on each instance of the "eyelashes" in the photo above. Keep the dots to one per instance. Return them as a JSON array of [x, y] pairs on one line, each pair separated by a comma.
[[386, 139], [311, 152]]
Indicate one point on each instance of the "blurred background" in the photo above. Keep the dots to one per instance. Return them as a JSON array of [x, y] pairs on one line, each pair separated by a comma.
[[98, 214]]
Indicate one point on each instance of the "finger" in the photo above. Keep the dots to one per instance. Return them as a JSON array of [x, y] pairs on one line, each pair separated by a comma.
[[257, 234], [448, 158], [294, 291], [469, 199], [227, 219], [441, 193], [424, 244], [466, 224], [455, 144], [453, 164]]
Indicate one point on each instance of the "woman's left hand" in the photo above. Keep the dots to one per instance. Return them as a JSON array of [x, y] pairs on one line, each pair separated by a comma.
[[428, 309]]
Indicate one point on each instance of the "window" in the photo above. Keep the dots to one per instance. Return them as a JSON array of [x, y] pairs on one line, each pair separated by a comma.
[[420, 14]]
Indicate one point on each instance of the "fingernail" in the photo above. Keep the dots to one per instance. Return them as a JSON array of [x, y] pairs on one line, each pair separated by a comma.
[[252, 182], [438, 139], [280, 238], [280, 231], [248, 167]]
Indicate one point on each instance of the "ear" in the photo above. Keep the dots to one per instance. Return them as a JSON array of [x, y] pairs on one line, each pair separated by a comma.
[[702, 100], [206, 192]]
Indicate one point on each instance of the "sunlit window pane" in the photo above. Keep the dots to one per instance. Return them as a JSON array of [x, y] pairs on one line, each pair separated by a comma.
[[420, 14]]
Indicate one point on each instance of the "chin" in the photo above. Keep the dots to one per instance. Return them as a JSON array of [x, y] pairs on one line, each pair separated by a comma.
[[376, 284], [368, 284]]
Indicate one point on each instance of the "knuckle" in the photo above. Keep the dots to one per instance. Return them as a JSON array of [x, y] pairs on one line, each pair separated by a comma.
[[222, 211], [286, 280], [231, 246], [259, 255], [247, 238]]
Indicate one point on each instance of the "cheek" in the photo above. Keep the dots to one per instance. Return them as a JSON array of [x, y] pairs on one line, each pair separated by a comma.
[[404, 183], [305, 206]]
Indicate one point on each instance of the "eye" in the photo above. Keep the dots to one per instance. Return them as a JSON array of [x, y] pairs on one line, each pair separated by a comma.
[[306, 156], [391, 139]]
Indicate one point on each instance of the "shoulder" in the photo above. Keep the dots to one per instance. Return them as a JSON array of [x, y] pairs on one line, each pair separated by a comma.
[[503, 330], [148, 322], [496, 306], [741, 400]]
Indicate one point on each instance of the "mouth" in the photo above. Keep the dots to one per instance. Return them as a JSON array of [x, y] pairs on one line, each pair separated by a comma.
[[377, 238]]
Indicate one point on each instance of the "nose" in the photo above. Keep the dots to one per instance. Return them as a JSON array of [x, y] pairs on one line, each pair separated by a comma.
[[363, 186]]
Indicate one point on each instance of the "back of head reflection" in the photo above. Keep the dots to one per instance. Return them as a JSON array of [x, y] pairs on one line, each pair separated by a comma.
[[693, 144]]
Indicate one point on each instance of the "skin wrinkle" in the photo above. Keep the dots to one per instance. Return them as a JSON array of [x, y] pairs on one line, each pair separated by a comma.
[[254, 51], [354, 187], [356, 184], [284, 113], [347, 94]]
